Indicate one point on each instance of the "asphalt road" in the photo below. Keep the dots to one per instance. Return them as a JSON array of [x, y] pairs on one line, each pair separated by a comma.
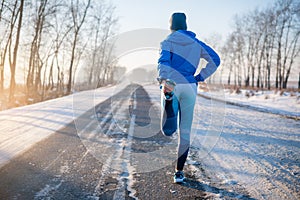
[[114, 151]]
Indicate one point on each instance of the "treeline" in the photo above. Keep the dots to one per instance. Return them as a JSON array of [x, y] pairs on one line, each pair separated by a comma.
[[46, 41], [264, 46]]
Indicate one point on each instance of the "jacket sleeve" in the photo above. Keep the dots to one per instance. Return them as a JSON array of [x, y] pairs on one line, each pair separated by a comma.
[[213, 62], [164, 61]]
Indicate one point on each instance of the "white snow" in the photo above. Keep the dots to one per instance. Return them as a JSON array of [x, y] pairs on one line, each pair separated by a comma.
[[282, 103], [254, 150], [24, 126]]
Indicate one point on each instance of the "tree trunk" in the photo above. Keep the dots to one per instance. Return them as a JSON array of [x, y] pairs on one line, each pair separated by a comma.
[[299, 82], [15, 54], [69, 86], [1, 74]]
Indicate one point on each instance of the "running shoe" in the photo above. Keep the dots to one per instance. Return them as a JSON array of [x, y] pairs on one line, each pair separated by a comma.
[[179, 177]]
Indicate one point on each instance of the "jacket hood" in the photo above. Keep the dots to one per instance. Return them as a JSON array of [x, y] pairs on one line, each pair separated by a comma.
[[182, 37]]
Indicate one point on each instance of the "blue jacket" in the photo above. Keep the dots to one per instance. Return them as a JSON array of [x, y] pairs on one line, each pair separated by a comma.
[[180, 55]]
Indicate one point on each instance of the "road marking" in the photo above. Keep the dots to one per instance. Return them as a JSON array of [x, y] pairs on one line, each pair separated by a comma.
[[84, 155], [125, 178]]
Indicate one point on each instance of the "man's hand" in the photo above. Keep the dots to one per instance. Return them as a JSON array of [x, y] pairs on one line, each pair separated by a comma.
[[167, 86]]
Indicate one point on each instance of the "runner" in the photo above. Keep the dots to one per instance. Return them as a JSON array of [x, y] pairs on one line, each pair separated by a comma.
[[179, 58]]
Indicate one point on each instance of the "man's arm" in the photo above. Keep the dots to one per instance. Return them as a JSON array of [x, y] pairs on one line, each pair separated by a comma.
[[213, 62], [164, 61]]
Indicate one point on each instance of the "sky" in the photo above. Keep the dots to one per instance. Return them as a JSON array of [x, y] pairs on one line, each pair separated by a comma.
[[204, 17]]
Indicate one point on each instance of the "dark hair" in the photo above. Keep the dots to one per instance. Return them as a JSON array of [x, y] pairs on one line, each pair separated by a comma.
[[178, 22]]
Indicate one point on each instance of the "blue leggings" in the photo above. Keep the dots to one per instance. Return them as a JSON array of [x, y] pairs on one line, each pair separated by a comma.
[[179, 112]]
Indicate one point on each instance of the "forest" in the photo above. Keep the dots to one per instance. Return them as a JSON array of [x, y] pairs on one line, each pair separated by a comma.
[[45, 41], [263, 47]]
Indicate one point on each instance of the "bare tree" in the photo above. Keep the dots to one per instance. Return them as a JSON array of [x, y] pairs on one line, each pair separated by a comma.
[[229, 56], [287, 39], [270, 32], [35, 60], [18, 14], [100, 65], [61, 33], [262, 39], [1, 56], [236, 47], [78, 17]]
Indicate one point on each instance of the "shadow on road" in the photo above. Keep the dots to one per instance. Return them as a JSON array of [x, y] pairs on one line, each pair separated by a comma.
[[143, 105], [213, 191]]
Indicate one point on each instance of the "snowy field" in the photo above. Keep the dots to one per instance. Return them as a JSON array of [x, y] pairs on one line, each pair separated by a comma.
[[282, 103]]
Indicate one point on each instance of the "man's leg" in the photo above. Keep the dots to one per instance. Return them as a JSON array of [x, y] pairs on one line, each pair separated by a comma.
[[169, 115], [186, 112]]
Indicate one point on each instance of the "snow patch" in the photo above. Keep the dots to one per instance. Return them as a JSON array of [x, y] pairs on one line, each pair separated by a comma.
[[42, 194], [64, 169]]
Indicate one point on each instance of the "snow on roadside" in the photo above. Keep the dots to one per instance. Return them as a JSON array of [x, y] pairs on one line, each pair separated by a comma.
[[256, 155], [22, 127], [285, 103]]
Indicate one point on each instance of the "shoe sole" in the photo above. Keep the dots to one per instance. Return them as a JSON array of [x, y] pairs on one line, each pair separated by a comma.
[[178, 180]]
